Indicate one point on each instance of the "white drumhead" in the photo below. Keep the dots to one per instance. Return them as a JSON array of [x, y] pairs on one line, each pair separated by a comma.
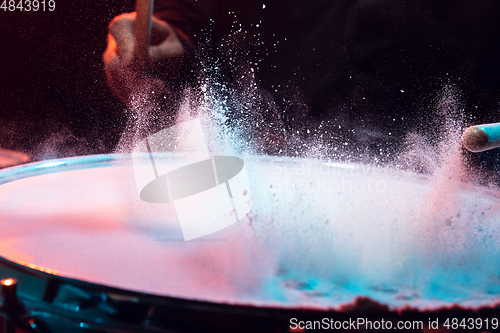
[[318, 235]]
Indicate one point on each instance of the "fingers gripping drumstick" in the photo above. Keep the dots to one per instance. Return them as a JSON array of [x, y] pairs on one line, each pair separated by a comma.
[[481, 137]]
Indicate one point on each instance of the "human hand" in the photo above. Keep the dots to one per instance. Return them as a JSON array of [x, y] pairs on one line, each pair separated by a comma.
[[125, 76]]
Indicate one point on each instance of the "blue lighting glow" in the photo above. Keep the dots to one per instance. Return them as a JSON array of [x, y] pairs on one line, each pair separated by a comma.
[[50, 164]]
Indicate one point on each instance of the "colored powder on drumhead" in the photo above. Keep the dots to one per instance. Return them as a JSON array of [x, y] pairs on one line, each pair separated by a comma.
[[401, 237], [442, 239], [428, 226]]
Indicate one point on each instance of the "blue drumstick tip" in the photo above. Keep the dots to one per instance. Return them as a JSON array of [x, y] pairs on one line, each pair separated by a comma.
[[481, 137]]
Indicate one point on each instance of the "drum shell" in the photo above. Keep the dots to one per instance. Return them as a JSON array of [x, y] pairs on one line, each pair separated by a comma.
[[58, 304]]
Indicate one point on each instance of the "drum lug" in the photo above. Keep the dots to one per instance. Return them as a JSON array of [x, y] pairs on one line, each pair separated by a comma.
[[13, 312], [76, 299]]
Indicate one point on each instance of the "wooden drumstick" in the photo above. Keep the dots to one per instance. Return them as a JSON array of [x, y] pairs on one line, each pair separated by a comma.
[[481, 137], [143, 22]]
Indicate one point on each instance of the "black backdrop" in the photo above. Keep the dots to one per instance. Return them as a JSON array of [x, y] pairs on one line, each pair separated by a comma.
[[53, 96], [54, 100]]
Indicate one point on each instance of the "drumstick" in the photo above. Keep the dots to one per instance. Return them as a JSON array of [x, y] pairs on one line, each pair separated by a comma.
[[143, 22], [482, 137], [144, 10]]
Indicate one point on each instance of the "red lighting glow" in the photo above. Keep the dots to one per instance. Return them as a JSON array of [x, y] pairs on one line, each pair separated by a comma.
[[8, 282]]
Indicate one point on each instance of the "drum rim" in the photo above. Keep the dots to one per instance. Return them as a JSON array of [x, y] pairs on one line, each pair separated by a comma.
[[33, 169]]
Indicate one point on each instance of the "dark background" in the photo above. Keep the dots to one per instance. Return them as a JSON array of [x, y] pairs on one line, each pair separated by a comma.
[[53, 96], [54, 100]]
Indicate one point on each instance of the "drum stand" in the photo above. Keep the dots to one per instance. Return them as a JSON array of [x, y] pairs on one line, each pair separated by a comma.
[[13, 316]]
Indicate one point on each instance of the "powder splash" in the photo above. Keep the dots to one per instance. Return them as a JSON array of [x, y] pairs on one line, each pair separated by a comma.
[[406, 228]]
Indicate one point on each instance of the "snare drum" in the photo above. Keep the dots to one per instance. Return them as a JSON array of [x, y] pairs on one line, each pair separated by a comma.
[[322, 240]]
